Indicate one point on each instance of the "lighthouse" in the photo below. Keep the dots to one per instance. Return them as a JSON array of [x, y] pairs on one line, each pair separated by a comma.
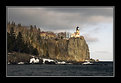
[[77, 33]]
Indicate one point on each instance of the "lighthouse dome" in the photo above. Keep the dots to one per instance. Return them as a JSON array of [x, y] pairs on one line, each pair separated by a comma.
[[77, 28]]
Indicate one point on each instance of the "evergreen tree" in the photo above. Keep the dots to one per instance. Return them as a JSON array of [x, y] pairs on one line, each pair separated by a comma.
[[19, 25], [26, 48], [47, 54], [35, 52], [12, 33], [11, 40], [35, 26], [38, 38], [39, 30], [8, 42], [13, 24], [19, 43], [30, 48], [31, 28], [62, 37]]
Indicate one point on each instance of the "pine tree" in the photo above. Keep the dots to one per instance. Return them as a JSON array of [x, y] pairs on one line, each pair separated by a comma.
[[31, 28], [8, 42], [13, 24], [35, 26], [19, 25], [39, 30], [26, 48], [19, 43], [12, 33], [11, 40], [35, 52]]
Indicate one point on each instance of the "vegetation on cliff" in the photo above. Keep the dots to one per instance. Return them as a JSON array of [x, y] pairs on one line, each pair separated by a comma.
[[17, 44]]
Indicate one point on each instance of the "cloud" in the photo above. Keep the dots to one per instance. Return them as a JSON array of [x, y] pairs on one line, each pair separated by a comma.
[[89, 38], [85, 11], [103, 51], [60, 18]]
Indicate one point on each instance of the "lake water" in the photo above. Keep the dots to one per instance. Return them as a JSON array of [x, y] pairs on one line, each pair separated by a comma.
[[98, 69]]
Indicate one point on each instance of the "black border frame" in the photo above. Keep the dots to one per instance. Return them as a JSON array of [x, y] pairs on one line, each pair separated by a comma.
[[5, 3]]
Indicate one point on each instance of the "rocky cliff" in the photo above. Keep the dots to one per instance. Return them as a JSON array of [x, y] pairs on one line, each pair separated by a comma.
[[74, 49]]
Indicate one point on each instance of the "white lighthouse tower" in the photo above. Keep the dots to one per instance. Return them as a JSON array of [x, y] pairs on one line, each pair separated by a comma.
[[77, 33]]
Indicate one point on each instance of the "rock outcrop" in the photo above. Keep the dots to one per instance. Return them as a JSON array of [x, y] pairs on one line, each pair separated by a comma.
[[74, 49]]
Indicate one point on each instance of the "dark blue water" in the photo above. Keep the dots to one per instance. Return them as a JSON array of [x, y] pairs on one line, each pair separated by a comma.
[[97, 69]]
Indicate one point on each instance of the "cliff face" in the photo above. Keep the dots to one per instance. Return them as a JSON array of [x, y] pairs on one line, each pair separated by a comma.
[[74, 49], [78, 49]]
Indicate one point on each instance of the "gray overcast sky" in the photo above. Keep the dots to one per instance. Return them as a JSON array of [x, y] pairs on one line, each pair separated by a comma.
[[96, 24], [60, 18]]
